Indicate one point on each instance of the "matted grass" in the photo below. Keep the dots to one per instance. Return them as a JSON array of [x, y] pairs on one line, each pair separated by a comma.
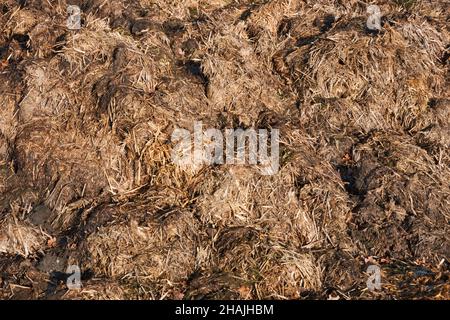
[[86, 176]]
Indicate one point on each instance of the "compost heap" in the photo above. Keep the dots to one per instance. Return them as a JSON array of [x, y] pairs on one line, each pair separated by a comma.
[[86, 177]]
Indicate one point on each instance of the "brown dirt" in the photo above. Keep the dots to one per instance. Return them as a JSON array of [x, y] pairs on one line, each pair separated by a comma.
[[86, 176]]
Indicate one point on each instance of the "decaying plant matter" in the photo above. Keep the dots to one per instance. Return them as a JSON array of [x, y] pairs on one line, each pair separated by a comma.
[[86, 176]]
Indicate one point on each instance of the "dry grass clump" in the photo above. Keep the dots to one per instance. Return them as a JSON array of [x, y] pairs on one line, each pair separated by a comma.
[[252, 230], [18, 238], [376, 74], [86, 175], [145, 252]]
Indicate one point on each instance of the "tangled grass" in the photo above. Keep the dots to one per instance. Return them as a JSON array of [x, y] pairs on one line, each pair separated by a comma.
[[86, 175]]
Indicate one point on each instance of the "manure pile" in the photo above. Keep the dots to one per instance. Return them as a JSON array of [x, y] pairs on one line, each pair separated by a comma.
[[86, 171]]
